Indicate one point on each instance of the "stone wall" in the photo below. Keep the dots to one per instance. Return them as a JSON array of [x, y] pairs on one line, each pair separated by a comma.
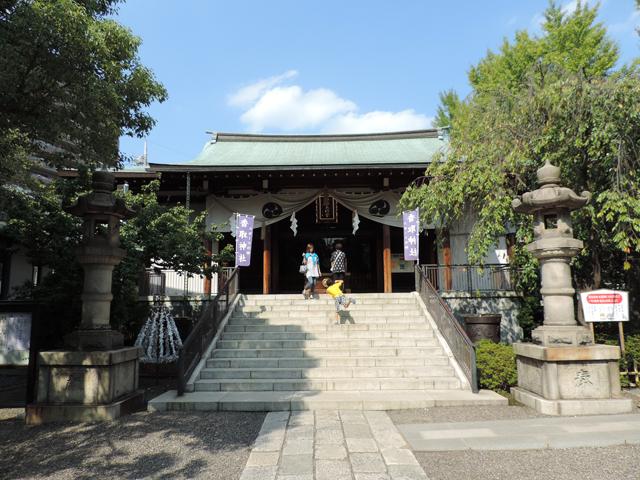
[[505, 303]]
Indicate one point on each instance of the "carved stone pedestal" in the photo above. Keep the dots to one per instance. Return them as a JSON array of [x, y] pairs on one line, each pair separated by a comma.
[[578, 380], [86, 386]]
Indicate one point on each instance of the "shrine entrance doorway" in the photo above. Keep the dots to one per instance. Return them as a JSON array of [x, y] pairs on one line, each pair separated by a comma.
[[364, 260]]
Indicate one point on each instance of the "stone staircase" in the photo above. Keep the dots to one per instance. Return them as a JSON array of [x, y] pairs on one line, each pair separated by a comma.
[[280, 352]]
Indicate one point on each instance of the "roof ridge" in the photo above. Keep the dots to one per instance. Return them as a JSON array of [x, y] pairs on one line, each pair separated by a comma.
[[344, 137]]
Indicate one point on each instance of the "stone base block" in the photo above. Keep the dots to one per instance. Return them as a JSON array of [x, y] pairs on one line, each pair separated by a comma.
[[542, 405], [85, 385], [37, 414], [569, 380]]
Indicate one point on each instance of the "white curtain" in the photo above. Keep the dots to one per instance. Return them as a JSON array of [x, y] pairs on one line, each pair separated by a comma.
[[219, 209]]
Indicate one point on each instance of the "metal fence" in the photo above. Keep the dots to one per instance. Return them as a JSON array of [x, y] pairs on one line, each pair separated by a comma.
[[172, 284], [461, 346], [471, 278], [206, 327]]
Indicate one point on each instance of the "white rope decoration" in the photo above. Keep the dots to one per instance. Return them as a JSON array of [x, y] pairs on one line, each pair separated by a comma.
[[159, 337]]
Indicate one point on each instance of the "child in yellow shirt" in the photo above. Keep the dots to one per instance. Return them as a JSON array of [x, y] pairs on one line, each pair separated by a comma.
[[334, 288]]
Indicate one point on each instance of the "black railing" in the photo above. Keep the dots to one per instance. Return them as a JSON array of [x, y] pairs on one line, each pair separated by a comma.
[[461, 346], [202, 333], [492, 277]]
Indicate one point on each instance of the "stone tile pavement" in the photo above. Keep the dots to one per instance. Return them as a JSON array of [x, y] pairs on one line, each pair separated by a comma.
[[529, 434], [331, 445]]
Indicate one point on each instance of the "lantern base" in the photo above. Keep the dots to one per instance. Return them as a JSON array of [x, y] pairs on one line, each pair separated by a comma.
[[571, 408], [561, 336], [94, 339], [570, 380], [85, 386]]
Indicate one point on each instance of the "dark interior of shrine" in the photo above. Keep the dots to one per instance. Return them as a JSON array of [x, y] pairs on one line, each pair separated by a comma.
[[364, 252]]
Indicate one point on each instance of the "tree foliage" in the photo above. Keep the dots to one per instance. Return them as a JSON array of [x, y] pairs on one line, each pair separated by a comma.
[[553, 97], [449, 103], [168, 237], [71, 84]]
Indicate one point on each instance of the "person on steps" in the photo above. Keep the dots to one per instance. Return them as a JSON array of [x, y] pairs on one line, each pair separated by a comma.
[[311, 261], [335, 290], [338, 263]]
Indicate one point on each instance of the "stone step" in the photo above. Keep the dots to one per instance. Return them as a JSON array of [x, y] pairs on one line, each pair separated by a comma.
[[326, 352], [332, 400], [331, 327], [327, 300], [327, 372], [329, 306], [297, 362], [298, 296], [326, 384], [337, 335], [330, 343], [323, 312], [323, 320]]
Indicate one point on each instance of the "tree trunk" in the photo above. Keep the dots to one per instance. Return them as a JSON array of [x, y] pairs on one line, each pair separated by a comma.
[[597, 270]]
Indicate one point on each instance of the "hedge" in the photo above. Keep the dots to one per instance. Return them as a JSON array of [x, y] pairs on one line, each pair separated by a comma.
[[496, 364]]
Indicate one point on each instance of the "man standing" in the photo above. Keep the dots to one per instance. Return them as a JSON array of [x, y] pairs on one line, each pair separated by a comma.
[[338, 263]]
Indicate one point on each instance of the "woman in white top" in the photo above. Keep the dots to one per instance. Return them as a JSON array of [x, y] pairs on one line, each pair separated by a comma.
[[311, 261]]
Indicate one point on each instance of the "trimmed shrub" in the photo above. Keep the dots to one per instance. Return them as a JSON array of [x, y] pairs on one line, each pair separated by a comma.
[[496, 364]]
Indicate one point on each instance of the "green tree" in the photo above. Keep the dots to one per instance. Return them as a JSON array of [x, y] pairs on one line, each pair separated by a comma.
[[168, 237], [449, 104], [554, 97], [71, 84]]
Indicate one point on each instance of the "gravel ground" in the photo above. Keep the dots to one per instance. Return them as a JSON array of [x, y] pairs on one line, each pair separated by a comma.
[[212, 445], [462, 414], [610, 463]]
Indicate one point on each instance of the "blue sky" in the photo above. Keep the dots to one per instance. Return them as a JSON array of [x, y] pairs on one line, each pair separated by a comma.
[[331, 66]]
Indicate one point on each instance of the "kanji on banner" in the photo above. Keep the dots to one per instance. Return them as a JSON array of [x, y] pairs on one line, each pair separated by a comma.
[[411, 228], [244, 236]]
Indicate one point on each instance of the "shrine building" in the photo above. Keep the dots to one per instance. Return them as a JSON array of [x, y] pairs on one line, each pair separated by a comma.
[[317, 189]]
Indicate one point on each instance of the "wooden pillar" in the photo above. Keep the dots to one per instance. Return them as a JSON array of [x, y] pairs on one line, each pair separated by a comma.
[[274, 235], [379, 264], [448, 260], [266, 261], [386, 258], [207, 280]]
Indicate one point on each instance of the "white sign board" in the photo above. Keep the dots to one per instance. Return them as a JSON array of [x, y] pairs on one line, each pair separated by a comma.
[[605, 306], [15, 336]]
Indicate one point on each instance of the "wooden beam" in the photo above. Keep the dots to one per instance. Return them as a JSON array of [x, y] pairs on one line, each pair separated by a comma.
[[448, 259], [386, 257], [266, 261]]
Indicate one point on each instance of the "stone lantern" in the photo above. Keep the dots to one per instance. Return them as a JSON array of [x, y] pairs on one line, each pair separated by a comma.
[[99, 253], [562, 372], [96, 378]]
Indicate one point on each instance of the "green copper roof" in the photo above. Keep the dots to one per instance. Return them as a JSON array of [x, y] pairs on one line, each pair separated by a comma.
[[263, 151]]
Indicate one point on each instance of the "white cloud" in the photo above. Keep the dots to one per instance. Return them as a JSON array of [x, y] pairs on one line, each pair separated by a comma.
[[269, 105], [250, 93], [291, 108], [378, 121]]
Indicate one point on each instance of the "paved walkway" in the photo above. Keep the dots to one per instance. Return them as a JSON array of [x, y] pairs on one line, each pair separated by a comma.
[[331, 445], [535, 433]]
